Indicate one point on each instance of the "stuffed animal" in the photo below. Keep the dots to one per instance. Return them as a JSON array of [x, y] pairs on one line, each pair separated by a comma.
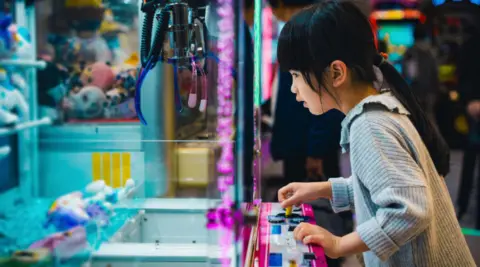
[[98, 74], [127, 80], [15, 41], [80, 207], [117, 96], [64, 245], [124, 110], [85, 17], [6, 39], [12, 102], [7, 118], [110, 31], [22, 41], [88, 103]]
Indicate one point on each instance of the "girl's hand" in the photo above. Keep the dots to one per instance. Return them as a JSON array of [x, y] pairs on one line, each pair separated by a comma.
[[295, 194], [316, 235]]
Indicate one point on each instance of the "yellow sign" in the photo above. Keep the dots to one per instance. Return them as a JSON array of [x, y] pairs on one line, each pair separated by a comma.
[[113, 168]]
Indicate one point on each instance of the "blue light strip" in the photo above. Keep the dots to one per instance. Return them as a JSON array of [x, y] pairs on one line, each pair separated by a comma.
[[441, 2]]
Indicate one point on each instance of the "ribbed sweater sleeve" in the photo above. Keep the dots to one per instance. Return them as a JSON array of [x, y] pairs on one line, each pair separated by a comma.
[[384, 164], [342, 194]]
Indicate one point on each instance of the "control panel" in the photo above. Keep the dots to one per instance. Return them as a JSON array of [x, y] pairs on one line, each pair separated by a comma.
[[276, 244]]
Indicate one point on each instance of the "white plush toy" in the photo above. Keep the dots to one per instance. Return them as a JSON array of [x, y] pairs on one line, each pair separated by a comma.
[[99, 191], [89, 103], [7, 118], [11, 99]]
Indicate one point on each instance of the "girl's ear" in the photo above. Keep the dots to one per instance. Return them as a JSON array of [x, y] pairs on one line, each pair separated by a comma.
[[338, 71]]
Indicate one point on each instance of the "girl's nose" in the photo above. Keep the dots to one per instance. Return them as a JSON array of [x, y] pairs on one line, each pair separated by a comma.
[[298, 98], [293, 89]]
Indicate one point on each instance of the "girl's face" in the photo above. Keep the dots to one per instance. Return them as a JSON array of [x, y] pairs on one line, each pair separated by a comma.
[[317, 100]]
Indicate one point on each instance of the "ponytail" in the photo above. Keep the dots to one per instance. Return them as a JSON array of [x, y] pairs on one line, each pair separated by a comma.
[[433, 140]]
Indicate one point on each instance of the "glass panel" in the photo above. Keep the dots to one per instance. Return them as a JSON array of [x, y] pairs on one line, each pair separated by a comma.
[[121, 193], [96, 206], [94, 60]]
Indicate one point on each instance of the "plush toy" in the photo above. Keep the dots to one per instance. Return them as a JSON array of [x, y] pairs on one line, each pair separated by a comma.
[[110, 30], [22, 41], [13, 106], [11, 100], [15, 41], [126, 80], [86, 47], [124, 110], [98, 74], [81, 207], [6, 39], [117, 96], [64, 245], [85, 17], [88, 103], [7, 118]]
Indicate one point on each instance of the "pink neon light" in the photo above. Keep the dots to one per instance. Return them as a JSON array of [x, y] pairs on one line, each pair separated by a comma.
[[267, 52], [225, 166]]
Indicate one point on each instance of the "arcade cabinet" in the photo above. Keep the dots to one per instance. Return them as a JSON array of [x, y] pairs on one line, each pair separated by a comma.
[[395, 22], [131, 193]]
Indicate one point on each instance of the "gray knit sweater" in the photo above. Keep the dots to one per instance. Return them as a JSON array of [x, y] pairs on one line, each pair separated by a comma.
[[403, 209]]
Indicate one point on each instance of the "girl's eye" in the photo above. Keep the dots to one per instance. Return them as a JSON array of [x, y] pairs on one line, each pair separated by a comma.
[[295, 75]]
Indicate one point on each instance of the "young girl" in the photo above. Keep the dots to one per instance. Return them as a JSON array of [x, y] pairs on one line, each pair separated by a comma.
[[404, 213]]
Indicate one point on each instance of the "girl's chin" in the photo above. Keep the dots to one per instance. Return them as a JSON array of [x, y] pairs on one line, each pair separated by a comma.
[[315, 112]]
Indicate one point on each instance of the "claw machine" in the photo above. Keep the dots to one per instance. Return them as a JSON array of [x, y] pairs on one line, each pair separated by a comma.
[[140, 157], [395, 22]]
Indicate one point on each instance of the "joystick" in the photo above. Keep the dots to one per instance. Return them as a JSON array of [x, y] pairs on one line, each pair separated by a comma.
[[295, 208], [288, 211]]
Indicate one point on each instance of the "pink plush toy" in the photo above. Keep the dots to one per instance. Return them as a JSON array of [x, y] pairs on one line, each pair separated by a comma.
[[99, 75], [64, 245]]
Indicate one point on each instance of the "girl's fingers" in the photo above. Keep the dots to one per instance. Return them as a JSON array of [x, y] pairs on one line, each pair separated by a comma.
[[284, 192], [289, 202]]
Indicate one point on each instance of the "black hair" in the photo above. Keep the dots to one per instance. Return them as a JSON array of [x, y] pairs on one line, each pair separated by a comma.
[[420, 32], [291, 3], [382, 46], [331, 30]]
